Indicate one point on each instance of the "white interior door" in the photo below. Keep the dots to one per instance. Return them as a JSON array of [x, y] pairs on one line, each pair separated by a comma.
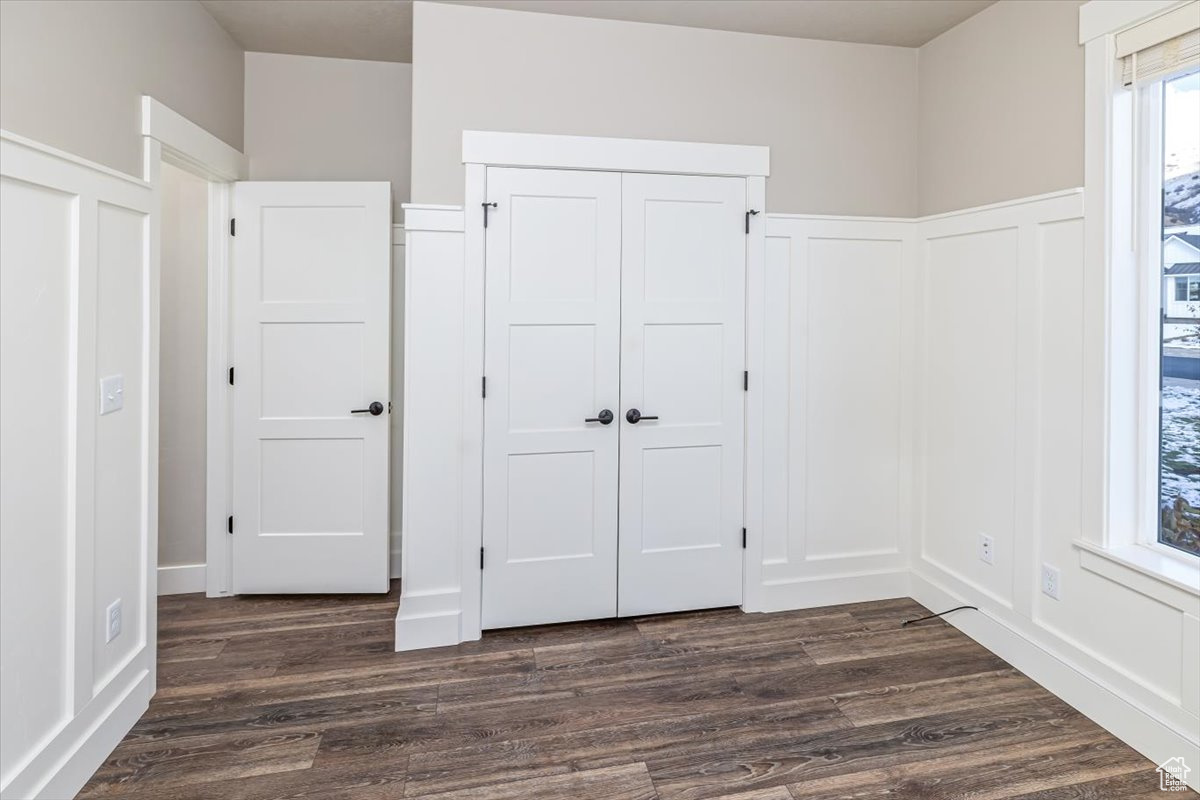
[[682, 361], [311, 275], [551, 354]]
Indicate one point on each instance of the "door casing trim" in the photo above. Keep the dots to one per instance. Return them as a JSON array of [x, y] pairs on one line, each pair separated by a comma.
[[172, 138]]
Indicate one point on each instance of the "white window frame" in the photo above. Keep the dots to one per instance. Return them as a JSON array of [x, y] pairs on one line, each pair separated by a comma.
[[1120, 411], [1146, 149]]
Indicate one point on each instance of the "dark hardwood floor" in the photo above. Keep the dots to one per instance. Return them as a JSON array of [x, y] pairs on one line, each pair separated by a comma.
[[274, 697]]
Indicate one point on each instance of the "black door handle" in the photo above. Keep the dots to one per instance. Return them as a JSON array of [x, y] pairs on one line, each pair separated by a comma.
[[604, 417], [375, 409], [633, 416]]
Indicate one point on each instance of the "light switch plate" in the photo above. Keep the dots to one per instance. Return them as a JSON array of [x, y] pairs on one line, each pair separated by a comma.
[[112, 394]]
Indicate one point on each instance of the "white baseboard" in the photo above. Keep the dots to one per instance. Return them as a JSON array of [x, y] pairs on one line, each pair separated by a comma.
[[181, 579], [1103, 704], [66, 762], [834, 590], [428, 620]]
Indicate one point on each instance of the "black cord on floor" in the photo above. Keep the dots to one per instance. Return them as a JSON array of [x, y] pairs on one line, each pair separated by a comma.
[[908, 622]]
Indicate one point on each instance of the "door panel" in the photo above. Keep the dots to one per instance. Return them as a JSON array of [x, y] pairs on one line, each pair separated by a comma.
[[311, 317], [682, 357], [551, 352]]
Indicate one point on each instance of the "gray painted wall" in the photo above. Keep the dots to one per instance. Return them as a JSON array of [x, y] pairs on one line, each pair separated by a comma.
[[1001, 106], [329, 119], [72, 73], [841, 119], [182, 402]]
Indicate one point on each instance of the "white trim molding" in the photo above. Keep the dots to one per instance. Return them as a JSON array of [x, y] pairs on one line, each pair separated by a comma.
[[547, 151], [1169, 579], [428, 620], [190, 146], [172, 138], [1102, 17]]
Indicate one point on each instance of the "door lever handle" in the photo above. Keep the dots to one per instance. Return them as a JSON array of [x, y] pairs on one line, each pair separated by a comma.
[[633, 416], [604, 417], [375, 409]]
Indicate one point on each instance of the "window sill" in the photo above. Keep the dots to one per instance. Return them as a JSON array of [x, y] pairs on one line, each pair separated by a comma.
[[1161, 576]]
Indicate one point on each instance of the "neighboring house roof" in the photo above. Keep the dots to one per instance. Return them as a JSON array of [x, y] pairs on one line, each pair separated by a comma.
[[1191, 268], [1190, 239]]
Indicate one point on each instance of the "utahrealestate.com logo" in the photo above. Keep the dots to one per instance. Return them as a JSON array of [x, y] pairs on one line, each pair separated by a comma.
[[1172, 775]]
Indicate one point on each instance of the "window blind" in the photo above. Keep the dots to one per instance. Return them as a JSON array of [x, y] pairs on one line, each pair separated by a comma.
[[1160, 46]]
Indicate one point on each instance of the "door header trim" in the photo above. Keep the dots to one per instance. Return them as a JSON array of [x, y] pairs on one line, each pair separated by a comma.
[[618, 155]]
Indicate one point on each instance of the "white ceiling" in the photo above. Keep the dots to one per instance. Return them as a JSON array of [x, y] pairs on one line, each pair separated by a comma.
[[381, 30]]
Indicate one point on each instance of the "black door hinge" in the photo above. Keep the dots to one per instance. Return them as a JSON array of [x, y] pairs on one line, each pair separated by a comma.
[[485, 208], [231, 376], [483, 387], [232, 226], [229, 524], [752, 212], [481, 558], [743, 538], [745, 380]]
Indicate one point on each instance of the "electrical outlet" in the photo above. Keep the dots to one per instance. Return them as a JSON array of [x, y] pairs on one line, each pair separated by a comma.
[[114, 620], [985, 548], [1050, 581]]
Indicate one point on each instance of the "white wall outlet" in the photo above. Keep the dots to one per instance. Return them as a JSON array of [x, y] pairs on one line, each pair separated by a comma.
[[1050, 581], [112, 394], [985, 548], [114, 620]]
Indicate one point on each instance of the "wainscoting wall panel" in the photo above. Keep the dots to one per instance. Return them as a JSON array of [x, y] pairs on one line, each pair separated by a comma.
[[77, 529], [922, 384], [1002, 388], [838, 409]]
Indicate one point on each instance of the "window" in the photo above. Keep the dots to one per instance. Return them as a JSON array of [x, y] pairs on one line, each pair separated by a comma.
[[1187, 290], [1177, 102], [1141, 425]]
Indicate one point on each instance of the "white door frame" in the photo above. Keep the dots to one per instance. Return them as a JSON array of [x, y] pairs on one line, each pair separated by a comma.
[[171, 137], [483, 149]]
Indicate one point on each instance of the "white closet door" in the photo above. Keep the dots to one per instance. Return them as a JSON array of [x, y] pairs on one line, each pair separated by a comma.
[[551, 355], [310, 294], [683, 356]]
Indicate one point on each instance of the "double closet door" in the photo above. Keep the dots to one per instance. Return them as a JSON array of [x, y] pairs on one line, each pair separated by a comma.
[[614, 406]]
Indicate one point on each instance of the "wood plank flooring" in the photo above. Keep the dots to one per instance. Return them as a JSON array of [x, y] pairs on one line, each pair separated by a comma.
[[282, 697]]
